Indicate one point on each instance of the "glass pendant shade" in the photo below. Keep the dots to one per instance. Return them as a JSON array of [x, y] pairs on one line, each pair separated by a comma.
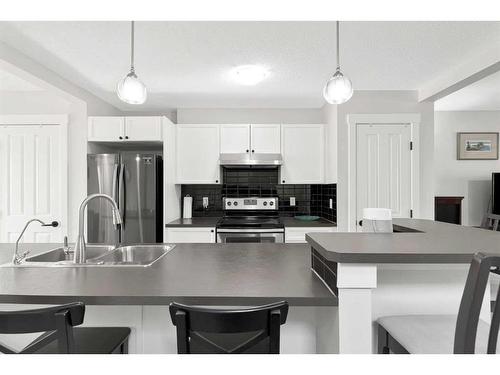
[[131, 90], [338, 89]]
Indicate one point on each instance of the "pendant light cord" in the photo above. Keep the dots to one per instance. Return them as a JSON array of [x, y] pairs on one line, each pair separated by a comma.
[[132, 48], [338, 46]]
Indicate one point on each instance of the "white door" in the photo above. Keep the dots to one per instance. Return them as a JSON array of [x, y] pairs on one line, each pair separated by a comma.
[[143, 128], [302, 147], [106, 129], [265, 138], [383, 168], [234, 138], [33, 181], [197, 150]]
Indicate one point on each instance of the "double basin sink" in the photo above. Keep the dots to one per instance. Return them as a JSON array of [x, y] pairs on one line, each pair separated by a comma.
[[101, 256]]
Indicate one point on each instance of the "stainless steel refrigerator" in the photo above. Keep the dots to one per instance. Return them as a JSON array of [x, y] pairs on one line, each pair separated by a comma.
[[135, 181]]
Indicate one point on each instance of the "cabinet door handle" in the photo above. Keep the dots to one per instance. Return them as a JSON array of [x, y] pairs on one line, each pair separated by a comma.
[[211, 230], [248, 150], [216, 181], [283, 181], [126, 137], [253, 150], [120, 137]]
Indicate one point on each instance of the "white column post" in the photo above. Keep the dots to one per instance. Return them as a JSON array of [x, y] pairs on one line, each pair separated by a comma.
[[355, 283]]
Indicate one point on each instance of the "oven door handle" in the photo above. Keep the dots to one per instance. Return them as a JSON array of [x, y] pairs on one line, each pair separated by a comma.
[[256, 230]]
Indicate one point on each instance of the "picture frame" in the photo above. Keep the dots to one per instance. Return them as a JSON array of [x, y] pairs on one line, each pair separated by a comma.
[[477, 146]]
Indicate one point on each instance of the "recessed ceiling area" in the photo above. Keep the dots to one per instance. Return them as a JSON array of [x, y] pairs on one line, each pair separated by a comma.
[[483, 95], [187, 64]]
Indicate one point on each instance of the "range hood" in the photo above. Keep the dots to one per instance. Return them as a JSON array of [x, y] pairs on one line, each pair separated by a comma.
[[250, 159]]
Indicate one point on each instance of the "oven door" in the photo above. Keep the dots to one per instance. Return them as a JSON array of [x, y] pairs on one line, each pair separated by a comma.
[[250, 236]]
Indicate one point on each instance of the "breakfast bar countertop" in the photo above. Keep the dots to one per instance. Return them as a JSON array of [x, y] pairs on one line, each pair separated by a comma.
[[203, 274], [426, 241]]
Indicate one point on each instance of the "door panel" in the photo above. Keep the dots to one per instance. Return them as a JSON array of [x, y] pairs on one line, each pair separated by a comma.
[[383, 165], [266, 138], [106, 128], [234, 139], [143, 128], [102, 177], [31, 182], [140, 198], [197, 149]]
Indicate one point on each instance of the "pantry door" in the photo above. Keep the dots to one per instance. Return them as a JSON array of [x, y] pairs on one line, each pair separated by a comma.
[[383, 169], [33, 177]]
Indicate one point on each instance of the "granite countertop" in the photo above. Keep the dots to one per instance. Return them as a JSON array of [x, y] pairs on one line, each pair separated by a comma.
[[207, 274], [292, 222], [194, 222], [435, 242]]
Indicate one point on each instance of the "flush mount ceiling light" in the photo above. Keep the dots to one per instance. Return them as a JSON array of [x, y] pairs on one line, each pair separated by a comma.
[[338, 89], [249, 75], [130, 89]]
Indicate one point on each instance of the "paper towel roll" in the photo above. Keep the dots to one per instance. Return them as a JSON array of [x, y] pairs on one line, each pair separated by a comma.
[[187, 211]]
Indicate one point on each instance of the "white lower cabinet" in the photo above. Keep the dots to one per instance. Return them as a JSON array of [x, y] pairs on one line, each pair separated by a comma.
[[191, 235], [298, 234]]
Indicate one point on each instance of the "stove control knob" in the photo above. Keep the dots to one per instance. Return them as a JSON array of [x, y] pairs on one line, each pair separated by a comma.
[[265, 203], [235, 203], [228, 203], [271, 203]]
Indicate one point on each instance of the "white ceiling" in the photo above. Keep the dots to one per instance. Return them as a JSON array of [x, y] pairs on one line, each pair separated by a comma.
[[186, 64], [11, 82], [483, 95]]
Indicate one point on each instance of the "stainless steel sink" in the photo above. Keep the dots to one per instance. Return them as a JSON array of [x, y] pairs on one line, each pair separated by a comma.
[[137, 255], [100, 256], [59, 255]]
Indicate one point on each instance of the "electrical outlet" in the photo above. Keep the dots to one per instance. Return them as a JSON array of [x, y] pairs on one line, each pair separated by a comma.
[[331, 204], [292, 201], [205, 202]]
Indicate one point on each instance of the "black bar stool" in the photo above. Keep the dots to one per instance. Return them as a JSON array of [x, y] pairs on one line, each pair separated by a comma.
[[60, 337], [223, 331], [446, 334]]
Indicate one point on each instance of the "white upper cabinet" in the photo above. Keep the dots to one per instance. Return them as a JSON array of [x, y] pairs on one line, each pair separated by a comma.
[[106, 128], [265, 138], [255, 138], [143, 128], [197, 150], [302, 147], [124, 129], [234, 138]]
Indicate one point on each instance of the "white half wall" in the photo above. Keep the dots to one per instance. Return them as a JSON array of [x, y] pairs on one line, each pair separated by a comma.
[[386, 102], [468, 178]]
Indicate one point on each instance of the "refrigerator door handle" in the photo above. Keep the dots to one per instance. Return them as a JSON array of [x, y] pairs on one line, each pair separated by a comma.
[[115, 182], [121, 194]]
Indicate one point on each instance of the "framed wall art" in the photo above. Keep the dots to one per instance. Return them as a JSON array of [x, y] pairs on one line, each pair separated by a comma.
[[477, 146]]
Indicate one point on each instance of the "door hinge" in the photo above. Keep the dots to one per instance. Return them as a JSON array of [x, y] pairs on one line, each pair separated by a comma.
[[411, 214], [411, 146]]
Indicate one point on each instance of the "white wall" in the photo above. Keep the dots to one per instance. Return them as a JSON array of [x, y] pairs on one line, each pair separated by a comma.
[[386, 102], [468, 178], [331, 121], [256, 116]]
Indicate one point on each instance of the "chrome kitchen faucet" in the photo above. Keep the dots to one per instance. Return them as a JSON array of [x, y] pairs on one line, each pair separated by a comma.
[[80, 247]]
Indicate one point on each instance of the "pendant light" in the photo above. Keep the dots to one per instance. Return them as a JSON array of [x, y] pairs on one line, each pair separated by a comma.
[[130, 89], [338, 89]]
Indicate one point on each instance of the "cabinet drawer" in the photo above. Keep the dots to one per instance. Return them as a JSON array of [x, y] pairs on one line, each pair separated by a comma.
[[191, 235], [298, 234]]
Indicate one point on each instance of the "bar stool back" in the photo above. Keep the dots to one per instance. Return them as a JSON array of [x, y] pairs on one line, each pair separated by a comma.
[[224, 331], [446, 334], [59, 336]]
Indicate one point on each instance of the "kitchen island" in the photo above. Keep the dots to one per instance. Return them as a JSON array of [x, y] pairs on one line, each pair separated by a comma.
[[202, 274], [419, 270]]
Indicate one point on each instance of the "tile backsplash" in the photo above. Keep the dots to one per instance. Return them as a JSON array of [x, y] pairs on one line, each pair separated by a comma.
[[263, 182]]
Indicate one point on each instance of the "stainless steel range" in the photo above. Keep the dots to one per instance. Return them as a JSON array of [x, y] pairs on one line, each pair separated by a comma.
[[250, 220]]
